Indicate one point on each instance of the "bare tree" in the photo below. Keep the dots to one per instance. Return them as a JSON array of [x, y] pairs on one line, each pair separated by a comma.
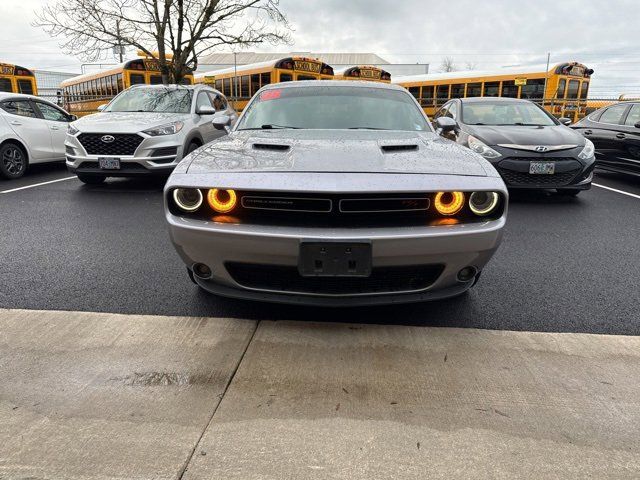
[[471, 65], [186, 29], [447, 65]]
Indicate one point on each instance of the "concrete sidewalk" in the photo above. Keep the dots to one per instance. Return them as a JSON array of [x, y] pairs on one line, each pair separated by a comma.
[[99, 396]]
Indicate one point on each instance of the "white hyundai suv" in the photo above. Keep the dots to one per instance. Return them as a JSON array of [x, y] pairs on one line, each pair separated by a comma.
[[145, 130]]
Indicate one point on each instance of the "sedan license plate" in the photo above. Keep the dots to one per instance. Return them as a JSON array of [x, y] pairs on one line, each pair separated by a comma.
[[109, 163], [542, 168], [334, 259]]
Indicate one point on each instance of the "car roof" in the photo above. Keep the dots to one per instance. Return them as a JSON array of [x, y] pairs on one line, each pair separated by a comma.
[[493, 99], [173, 86], [335, 83], [23, 96]]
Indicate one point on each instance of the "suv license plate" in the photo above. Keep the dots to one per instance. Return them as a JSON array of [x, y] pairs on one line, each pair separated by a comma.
[[109, 163], [542, 168]]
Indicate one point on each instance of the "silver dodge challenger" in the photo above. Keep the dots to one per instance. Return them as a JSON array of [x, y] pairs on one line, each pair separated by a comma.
[[335, 193]]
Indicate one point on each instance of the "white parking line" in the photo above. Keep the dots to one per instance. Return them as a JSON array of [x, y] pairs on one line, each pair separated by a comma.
[[38, 184], [616, 190]]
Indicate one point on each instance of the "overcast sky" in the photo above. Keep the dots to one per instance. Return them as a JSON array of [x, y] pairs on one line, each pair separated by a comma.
[[487, 33]]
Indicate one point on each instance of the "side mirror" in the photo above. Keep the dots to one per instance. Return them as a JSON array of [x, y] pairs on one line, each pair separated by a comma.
[[222, 122], [565, 121], [205, 110], [446, 124], [637, 125], [73, 118], [102, 107]]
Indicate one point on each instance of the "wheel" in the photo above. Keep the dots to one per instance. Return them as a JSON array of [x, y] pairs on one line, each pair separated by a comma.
[[190, 273], [192, 146], [13, 161], [568, 192], [91, 179]]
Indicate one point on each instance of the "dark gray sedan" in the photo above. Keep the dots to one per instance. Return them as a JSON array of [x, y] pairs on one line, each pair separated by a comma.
[[335, 193], [529, 147]]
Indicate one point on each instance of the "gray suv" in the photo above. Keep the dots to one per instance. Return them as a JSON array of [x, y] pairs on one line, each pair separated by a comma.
[[145, 130]]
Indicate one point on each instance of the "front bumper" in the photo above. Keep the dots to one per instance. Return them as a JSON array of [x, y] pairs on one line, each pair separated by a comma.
[[219, 245]]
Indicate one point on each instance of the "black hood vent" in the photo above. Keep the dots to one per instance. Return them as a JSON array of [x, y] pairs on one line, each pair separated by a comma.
[[271, 146], [399, 148]]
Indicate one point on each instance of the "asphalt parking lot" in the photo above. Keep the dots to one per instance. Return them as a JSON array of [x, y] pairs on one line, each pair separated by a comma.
[[566, 265]]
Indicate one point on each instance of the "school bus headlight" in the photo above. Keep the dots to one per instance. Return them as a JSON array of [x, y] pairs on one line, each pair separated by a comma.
[[188, 199], [449, 203], [222, 201], [483, 203]]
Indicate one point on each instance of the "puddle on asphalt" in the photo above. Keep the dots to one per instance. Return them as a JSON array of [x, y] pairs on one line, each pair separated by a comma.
[[146, 379]]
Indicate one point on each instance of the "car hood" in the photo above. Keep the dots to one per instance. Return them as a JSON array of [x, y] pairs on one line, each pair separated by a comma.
[[337, 151], [125, 122], [523, 135]]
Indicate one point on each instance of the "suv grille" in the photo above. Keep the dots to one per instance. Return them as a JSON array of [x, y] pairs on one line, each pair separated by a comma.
[[123, 143], [287, 279]]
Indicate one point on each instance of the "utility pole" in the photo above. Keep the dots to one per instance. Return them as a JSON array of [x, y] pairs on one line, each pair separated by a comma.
[[119, 41], [546, 78], [235, 78]]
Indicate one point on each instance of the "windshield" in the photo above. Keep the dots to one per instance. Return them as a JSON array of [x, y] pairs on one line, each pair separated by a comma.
[[164, 100], [505, 113], [334, 108]]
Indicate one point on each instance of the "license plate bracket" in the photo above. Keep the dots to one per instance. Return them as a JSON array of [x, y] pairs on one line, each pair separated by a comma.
[[542, 168], [334, 259], [109, 163]]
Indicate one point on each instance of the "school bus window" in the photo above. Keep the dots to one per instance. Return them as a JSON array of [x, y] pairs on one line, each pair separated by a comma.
[[265, 79], [286, 77], [114, 84], [474, 89], [226, 84], [584, 90], [136, 78], [255, 83], [562, 84], [245, 81], [120, 85], [218, 85], [574, 87], [155, 80], [534, 89], [457, 90], [415, 91], [442, 94], [5, 85], [305, 77], [25, 86], [426, 96], [491, 89], [510, 89]]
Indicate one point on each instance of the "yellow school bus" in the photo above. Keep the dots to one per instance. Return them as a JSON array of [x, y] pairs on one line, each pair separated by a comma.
[[82, 95], [562, 90], [16, 79], [364, 72], [240, 83]]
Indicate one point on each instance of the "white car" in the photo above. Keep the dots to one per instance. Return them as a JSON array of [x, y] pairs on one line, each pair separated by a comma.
[[32, 130], [145, 130]]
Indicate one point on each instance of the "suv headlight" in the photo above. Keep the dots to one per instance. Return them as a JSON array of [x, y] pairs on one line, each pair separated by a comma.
[[168, 129], [481, 148], [71, 130], [588, 151]]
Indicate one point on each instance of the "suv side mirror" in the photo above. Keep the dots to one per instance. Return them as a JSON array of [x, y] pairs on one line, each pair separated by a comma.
[[102, 107], [205, 110], [222, 122], [446, 124], [565, 121]]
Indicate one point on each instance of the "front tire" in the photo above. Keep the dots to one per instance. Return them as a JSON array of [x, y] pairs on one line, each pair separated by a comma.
[[91, 179], [192, 146], [568, 192], [13, 161]]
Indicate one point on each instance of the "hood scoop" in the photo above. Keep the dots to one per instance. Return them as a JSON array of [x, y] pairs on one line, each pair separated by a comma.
[[399, 148], [274, 147]]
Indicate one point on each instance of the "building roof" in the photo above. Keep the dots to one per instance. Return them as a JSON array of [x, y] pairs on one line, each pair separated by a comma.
[[243, 58]]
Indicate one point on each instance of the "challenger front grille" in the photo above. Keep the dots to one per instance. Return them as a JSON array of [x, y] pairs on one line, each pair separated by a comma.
[[286, 279], [123, 143]]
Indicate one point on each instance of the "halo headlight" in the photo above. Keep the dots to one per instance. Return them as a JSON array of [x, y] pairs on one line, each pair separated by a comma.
[[188, 199], [483, 203], [449, 203], [222, 201]]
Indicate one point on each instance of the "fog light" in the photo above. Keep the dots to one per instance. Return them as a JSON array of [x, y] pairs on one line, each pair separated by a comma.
[[201, 270], [467, 274], [188, 199], [483, 203], [222, 201], [449, 203]]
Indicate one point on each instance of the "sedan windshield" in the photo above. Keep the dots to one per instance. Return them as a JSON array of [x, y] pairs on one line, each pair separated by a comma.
[[164, 100], [334, 108], [505, 113]]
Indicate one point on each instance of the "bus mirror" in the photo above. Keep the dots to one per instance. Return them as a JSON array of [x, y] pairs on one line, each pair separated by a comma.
[[102, 107], [446, 124], [221, 122], [565, 121]]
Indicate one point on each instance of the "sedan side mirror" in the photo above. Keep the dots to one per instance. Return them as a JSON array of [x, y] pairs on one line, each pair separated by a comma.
[[205, 110], [565, 121], [222, 122], [446, 124], [637, 125], [73, 118], [102, 107]]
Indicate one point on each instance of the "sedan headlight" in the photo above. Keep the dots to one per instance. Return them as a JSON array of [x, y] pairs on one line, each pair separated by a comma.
[[168, 129], [71, 130], [481, 148], [588, 151]]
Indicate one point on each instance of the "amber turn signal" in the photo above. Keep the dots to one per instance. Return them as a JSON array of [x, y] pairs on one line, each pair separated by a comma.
[[222, 201], [449, 203]]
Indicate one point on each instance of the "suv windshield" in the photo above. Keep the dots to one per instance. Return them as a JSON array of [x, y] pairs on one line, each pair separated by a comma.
[[334, 108], [165, 100], [505, 113]]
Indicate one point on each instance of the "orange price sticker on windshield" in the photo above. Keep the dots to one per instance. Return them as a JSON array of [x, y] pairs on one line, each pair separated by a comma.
[[270, 95]]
